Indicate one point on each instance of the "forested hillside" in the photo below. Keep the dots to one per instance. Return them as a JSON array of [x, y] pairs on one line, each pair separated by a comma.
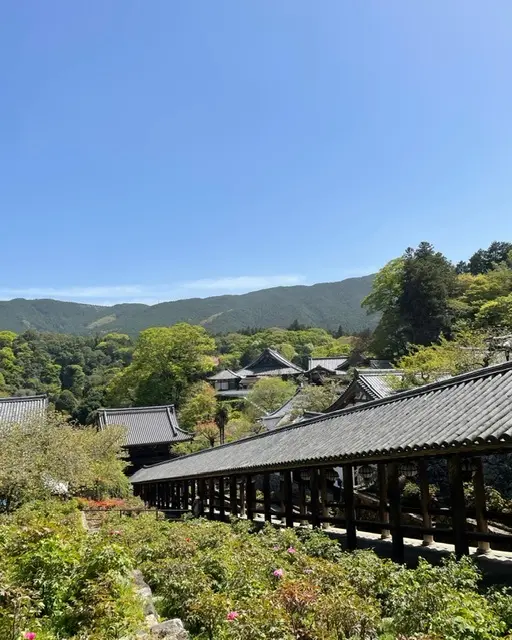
[[325, 305]]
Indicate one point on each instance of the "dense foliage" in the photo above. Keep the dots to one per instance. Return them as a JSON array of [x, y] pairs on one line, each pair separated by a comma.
[[49, 456], [228, 583], [56, 581], [324, 305], [423, 298]]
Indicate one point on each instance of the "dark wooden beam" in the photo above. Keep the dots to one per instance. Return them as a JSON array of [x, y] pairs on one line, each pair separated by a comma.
[[458, 505], [382, 475], [233, 501], [249, 496], [288, 497], [302, 493], [395, 512], [222, 500], [349, 506], [315, 504], [323, 496], [480, 504], [201, 489], [211, 499], [267, 498], [186, 495], [425, 500]]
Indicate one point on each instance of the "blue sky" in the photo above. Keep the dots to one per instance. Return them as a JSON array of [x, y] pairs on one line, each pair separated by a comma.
[[168, 149]]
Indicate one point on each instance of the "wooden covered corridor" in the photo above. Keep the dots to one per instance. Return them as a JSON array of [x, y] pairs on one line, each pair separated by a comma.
[[366, 469]]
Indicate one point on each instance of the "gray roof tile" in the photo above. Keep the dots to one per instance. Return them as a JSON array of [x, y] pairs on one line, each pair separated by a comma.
[[471, 409], [226, 374], [331, 364], [22, 409], [269, 363], [145, 425]]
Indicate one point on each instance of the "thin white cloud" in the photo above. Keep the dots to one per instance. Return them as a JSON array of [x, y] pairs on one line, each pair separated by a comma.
[[152, 294]]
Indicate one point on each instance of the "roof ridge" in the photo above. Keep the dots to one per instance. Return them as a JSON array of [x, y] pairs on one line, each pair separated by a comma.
[[19, 398], [151, 408]]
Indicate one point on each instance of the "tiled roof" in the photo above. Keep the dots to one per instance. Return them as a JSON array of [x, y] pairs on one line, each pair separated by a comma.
[[375, 383], [468, 411], [145, 425], [22, 409], [226, 374], [331, 364], [269, 363], [233, 393]]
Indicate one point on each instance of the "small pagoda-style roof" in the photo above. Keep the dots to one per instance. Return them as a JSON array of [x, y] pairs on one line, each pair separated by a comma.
[[22, 409], [145, 425], [328, 364], [360, 360], [469, 413], [225, 374], [269, 363], [368, 384]]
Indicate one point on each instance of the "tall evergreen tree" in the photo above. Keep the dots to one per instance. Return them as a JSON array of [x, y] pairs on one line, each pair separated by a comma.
[[429, 281]]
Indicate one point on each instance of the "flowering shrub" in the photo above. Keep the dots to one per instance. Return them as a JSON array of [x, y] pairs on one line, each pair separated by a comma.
[[228, 583], [58, 582]]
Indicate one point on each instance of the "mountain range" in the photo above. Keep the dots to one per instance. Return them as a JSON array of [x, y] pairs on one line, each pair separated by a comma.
[[326, 305]]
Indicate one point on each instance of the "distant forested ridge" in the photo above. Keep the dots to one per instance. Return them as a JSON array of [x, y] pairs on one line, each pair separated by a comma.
[[325, 305]]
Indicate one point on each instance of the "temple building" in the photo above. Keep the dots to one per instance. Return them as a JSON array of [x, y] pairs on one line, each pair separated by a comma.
[[368, 384], [151, 432]]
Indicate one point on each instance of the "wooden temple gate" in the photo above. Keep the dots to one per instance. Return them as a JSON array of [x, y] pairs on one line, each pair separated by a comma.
[[450, 427]]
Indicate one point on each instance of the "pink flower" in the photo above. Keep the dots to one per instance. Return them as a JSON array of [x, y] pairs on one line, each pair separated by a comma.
[[308, 570], [291, 550], [232, 615], [276, 547], [278, 573], [30, 635], [116, 532]]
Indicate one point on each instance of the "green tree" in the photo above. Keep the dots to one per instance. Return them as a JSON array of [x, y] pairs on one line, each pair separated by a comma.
[[73, 378], [166, 361], [66, 402], [268, 394], [496, 313], [200, 405], [428, 284]]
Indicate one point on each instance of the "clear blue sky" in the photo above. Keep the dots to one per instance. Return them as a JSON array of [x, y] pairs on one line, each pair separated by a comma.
[[167, 148]]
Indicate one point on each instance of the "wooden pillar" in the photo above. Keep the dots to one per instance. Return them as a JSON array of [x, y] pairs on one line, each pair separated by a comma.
[[267, 501], [192, 490], [383, 498], [211, 499], [288, 497], [178, 494], [349, 503], [233, 503], [302, 495], [315, 505], [395, 512], [249, 496], [282, 499], [458, 505], [480, 504], [242, 497], [324, 497], [201, 490], [222, 500], [185, 495], [428, 538]]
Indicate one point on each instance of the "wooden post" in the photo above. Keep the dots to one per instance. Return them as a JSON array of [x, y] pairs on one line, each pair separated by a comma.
[[349, 503], [288, 497], [211, 499], [480, 504], [315, 506], [458, 505], [302, 495], [323, 497], [178, 494], [233, 503], [192, 492], [395, 512], [242, 497], [201, 489], [185, 495], [282, 499], [222, 500], [249, 497], [383, 498], [267, 502], [425, 500]]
